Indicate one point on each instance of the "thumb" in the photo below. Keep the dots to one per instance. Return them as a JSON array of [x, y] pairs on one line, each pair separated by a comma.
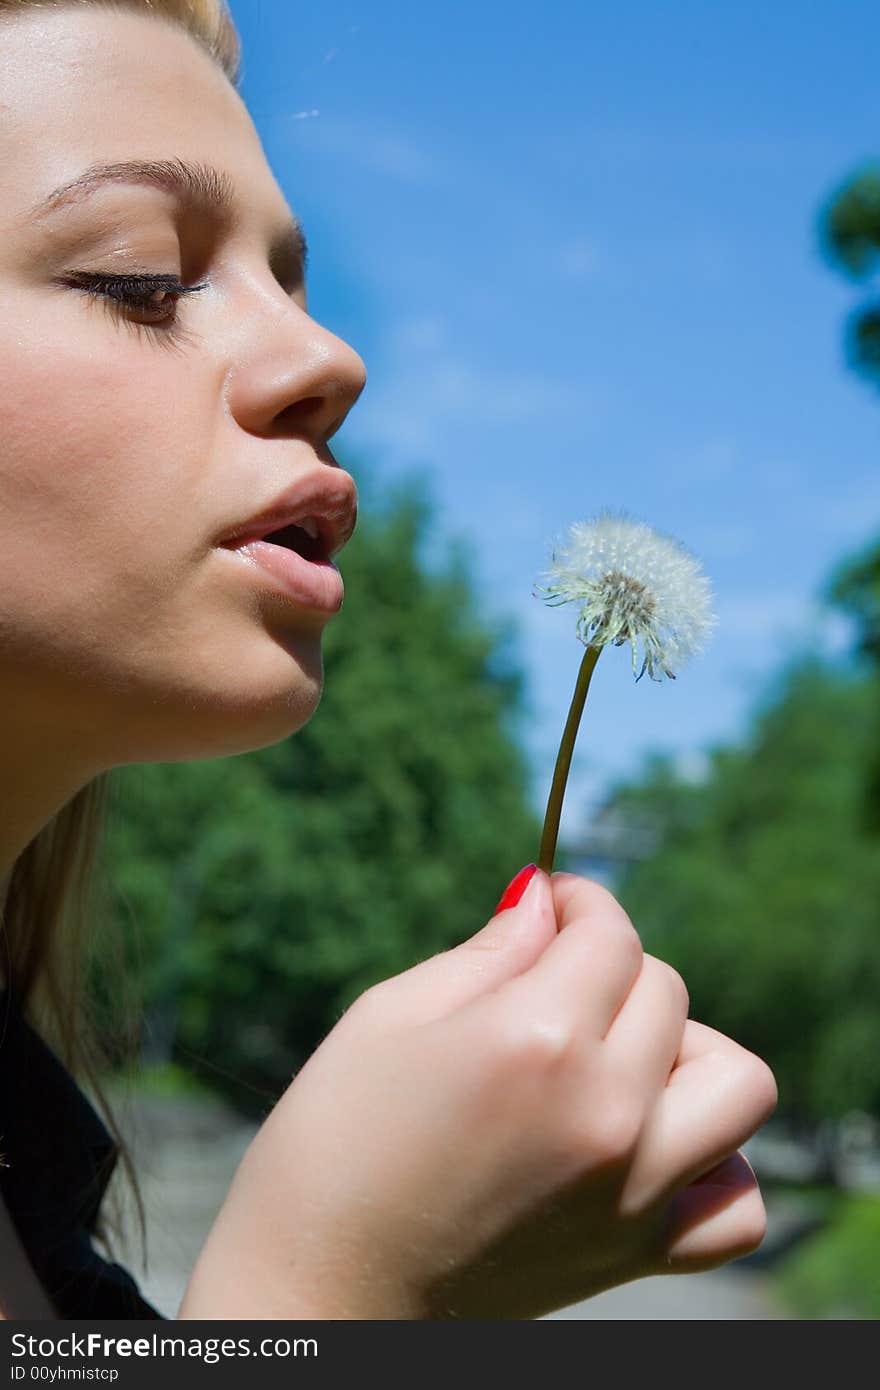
[[522, 892], [509, 943]]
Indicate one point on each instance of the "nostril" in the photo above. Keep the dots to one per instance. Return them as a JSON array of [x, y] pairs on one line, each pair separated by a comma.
[[337, 423], [302, 416]]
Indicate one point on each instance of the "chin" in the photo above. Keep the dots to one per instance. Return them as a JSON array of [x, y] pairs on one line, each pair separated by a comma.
[[257, 719], [250, 705]]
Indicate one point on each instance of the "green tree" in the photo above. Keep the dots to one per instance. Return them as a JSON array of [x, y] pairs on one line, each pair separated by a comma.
[[849, 233], [268, 890], [855, 589], [765, 891]]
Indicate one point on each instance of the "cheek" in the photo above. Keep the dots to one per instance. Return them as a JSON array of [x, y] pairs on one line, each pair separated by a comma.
[[103, 453]]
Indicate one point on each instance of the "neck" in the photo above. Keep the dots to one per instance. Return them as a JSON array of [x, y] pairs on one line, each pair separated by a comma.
[[37, 781]]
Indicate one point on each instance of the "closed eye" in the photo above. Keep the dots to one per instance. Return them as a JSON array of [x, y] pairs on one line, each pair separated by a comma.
[[153, 296]]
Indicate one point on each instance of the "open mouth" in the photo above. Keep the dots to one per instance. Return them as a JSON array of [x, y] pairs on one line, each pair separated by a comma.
[[298, 563], [289, 537], [295, 538]]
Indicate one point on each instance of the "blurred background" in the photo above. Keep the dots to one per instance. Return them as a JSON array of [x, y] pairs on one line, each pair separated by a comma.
[[594, 257]]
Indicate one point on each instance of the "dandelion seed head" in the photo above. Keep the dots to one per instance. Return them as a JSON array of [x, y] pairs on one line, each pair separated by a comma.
[[634, 585]]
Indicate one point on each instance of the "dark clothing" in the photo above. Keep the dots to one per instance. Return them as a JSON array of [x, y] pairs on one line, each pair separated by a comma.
[[57, 1159]]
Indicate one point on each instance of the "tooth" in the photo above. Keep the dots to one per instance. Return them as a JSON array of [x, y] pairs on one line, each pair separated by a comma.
[[311, 526]]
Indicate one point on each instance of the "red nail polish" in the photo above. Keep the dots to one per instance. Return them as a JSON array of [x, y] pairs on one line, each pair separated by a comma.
[[515, 889]]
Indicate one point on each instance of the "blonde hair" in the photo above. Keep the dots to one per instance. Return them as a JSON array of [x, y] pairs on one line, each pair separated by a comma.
[[56, 897]]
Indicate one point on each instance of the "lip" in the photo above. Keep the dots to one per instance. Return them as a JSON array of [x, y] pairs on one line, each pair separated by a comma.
[[328, 494], [313, 584]]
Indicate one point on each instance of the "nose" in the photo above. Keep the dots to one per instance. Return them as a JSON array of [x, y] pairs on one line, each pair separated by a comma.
[[299, 381]]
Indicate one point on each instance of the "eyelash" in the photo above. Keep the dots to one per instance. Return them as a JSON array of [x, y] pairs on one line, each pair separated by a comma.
[[122, 294]]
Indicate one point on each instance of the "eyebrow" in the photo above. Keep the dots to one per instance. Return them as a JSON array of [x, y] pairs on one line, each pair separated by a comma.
[[199, 187]]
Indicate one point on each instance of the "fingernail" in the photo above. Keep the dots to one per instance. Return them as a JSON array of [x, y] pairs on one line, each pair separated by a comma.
[[515, 889]]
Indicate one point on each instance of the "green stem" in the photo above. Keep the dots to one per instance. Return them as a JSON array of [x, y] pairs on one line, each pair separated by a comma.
[[563, 760]]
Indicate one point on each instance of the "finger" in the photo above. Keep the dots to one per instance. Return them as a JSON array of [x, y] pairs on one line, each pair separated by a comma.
[[507, 945], [719, 1217], [711, 1105], [645, 1038], [699, 1038], [579, 982], [574, 896]]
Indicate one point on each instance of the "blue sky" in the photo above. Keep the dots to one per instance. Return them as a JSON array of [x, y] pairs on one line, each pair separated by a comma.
[[576, 246]]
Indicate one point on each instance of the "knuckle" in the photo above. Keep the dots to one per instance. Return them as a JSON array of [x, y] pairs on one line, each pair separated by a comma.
[[620, 938], [533, 1045], [629, 944], [544, 1045], [369, 1005], [676, 986], [762, 1086], [754, 1082], [616, 1131], [607, 1135]]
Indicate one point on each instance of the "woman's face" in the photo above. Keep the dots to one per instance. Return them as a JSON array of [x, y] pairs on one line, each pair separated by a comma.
[[130, 446]]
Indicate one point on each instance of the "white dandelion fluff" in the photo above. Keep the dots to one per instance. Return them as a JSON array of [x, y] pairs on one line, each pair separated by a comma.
[[634, 585], [631, 584]]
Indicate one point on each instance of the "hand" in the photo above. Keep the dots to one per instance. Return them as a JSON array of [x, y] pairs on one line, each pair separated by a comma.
[[504, 1129]]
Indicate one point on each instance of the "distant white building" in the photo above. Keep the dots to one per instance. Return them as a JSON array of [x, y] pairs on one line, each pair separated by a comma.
[[610, 842]]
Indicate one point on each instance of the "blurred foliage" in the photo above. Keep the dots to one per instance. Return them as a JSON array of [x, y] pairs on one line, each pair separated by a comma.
[[166, 1081], [262, 893], [855, 588], [849, 232], [764, 890], [836, 1273]]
